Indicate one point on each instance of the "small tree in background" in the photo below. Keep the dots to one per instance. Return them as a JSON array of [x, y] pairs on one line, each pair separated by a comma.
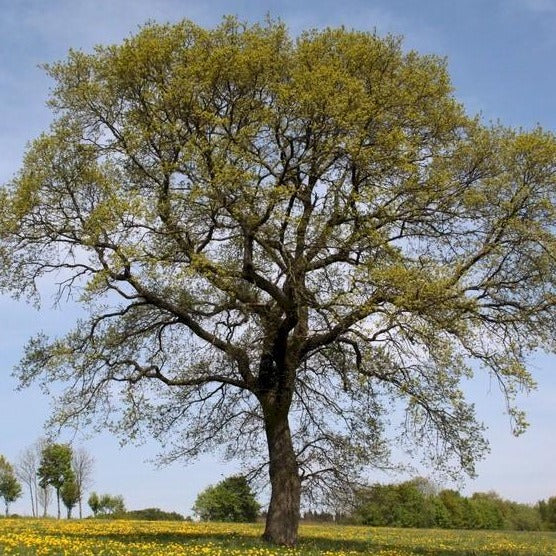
[[82, 465], [44, 497], [55, 468], [70, 493], [230, 500], [112, 505], [106, 504], [94, 503], [26, 470], [10, 488]]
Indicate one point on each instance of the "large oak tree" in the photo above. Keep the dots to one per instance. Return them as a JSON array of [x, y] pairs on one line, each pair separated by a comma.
[[274, 239]]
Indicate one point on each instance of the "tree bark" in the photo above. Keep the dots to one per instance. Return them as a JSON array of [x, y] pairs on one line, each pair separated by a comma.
[[282, 520]]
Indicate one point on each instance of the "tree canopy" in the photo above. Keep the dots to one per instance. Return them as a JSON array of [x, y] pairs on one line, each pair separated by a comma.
[[278, 242]]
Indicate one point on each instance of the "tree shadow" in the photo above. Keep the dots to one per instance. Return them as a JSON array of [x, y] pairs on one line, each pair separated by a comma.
[[307, 543]]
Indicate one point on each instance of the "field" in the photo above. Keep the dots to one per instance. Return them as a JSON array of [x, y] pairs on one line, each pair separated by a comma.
[[27, 537]]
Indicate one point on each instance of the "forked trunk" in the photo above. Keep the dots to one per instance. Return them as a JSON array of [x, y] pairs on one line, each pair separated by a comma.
[[282, 520]]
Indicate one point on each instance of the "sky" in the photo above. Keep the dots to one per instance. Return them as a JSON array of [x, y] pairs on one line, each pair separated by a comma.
[[501, 58]]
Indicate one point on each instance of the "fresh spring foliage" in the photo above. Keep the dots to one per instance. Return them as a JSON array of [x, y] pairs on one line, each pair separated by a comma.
[[230, 500], [279, 244]]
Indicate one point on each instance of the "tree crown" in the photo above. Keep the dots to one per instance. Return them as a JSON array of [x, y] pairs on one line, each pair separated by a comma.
[[260, 226]]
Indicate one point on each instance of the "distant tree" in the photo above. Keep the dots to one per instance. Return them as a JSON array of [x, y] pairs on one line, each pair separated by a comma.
[[376, 505], [70, 494], [407, 504], [106, 504], [230, 500], [458, 509], [521, 517], [94, 503], [488, 510], [10, 488], [112, 505], [26, 470], [44, 497], [547, 510], [55, 468], [82, 464]]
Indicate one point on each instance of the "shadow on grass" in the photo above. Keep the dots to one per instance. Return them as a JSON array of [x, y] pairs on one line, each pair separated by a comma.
[[307, 544]]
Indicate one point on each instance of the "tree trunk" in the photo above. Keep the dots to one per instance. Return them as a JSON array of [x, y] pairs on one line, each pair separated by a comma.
[[282, 520], [32, 498], [58, 501], [36, 489]]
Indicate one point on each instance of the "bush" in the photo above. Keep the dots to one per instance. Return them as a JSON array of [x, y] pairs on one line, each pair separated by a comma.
[[229, 500]]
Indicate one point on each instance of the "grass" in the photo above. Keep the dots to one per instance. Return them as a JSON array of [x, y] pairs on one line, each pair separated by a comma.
[[29, 537]]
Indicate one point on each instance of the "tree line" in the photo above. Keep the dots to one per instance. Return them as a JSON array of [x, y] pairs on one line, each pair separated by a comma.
[[419, 503]]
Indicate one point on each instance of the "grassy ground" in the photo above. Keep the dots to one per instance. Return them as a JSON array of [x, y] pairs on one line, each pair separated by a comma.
[[27, 537]]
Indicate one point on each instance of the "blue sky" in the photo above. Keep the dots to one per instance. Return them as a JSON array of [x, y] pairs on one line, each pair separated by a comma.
[[501, 57]]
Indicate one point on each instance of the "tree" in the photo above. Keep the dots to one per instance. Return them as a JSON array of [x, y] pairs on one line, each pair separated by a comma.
[[279, 243], [10, 488], [547, 511], [408, 504], [70, 493], [112, 505], [55, 468], [106, 504], [26, 469], [94, 503], [230, 500], [44, 497], [82, 464]]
